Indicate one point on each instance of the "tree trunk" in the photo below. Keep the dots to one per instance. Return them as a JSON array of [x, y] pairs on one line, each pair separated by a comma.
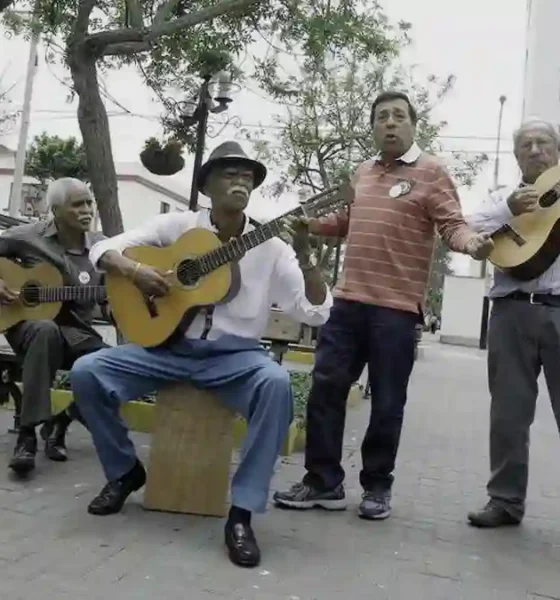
[[96, 135]]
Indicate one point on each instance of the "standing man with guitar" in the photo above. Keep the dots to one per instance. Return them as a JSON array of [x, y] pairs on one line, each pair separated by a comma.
[[46, 346], [524, 335], [220, 349], [401, 196]]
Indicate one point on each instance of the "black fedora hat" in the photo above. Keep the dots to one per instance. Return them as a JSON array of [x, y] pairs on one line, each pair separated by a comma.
[[230, 152]]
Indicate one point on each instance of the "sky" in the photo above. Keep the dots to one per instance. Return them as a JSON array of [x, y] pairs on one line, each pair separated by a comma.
[[481, 42]]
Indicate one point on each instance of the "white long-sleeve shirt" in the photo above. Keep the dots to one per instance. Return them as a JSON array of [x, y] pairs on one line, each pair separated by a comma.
[[488, 217], [270, 274]]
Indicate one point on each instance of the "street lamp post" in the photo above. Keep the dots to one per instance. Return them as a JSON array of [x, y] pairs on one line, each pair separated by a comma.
[[14, 205], [483, 341], [190, 113], [202, 109]]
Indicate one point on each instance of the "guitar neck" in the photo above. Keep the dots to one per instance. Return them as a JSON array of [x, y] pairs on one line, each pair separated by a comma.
[[237, 247], [66, 293]]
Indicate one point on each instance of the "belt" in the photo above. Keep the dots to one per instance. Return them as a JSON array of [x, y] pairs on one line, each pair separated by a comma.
[[539, 299]]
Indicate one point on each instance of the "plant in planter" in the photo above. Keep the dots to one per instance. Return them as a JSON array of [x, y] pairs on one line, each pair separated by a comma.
[[161, 159], [301, 384]]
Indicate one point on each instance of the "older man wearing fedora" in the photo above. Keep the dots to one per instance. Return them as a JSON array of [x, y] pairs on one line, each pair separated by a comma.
[[219, 350]]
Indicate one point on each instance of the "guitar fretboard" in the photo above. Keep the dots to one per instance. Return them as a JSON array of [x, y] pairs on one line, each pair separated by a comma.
[[190, 270], [237, 247], [65, 293]]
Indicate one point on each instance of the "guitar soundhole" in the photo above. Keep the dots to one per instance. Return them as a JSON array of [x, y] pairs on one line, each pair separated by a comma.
[[188, 272], [29, 294], [548, 199]]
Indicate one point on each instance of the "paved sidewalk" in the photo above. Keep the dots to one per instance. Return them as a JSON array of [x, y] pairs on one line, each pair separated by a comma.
[[52, 549]]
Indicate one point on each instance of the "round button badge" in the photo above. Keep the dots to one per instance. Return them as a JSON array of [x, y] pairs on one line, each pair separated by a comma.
[[400, 189], [84, 277]]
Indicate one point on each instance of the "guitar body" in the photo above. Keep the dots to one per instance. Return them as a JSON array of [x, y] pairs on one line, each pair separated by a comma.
[[17, 278], [530, 243], [152, 324]]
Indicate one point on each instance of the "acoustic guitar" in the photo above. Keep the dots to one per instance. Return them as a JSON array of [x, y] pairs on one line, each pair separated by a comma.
[[41, 292], [201, 271], [528, 245]]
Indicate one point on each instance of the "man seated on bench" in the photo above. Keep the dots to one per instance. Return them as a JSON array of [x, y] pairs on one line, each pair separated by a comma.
[[47, 346], [220, 350]]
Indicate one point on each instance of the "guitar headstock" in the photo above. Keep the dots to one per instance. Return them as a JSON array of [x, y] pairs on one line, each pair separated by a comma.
[[329, 201]]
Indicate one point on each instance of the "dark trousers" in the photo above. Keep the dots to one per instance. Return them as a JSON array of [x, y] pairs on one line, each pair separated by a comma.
[[523, 339], [44, 351], [357, 334]]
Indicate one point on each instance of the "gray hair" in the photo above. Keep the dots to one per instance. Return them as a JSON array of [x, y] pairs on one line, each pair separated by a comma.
[[59, 191], [536, 122]]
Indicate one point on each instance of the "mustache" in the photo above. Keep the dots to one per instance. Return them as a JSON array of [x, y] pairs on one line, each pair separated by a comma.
[[239, 188]]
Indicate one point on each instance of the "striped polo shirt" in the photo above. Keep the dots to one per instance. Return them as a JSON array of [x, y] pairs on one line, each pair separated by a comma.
[[391, 230]]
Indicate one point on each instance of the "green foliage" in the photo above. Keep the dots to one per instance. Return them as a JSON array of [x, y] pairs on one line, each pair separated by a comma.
[[440, 268], [340, 64], [171, 42], [51, 157], [121, 32], [301, 386]]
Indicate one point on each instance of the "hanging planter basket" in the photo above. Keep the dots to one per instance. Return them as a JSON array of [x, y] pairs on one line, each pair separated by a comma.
[[162, 160]]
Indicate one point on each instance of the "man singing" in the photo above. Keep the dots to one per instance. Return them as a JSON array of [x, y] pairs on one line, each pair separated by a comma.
[[220, 350], [401, 195]]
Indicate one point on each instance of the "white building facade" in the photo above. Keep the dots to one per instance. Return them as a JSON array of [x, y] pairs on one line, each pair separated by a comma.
[[141, 195], [541, 94]]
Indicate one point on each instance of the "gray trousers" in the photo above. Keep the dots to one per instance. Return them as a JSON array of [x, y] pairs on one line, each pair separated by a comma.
[[523, 339], [44, 350]]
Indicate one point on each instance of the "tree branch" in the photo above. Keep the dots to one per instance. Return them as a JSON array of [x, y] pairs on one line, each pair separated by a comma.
[[82, 19], [103, 40], [135, 14], [164, 11], [126, 48]]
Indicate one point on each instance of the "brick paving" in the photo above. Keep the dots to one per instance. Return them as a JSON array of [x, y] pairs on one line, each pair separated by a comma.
[[52, 549]]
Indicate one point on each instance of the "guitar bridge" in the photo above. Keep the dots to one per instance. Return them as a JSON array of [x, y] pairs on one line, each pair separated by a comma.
[[513, 235], [152, 307]]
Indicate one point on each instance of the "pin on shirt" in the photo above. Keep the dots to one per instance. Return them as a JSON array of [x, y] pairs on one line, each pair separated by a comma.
[[84, 277], [400, 189]]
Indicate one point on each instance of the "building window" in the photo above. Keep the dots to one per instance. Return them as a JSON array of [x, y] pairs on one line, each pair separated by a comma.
[[164, 207]]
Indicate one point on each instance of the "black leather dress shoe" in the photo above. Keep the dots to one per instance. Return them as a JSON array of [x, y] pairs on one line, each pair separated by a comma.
[[493, 515], [54, 434], [23, 460], [112, 497], [242, 545]]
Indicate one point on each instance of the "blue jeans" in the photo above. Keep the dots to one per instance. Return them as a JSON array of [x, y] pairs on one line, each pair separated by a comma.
[[357, 334], [238, 369]]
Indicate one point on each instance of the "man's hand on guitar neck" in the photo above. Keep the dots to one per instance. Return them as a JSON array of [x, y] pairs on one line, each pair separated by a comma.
[[524, 200], [296, 234]]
